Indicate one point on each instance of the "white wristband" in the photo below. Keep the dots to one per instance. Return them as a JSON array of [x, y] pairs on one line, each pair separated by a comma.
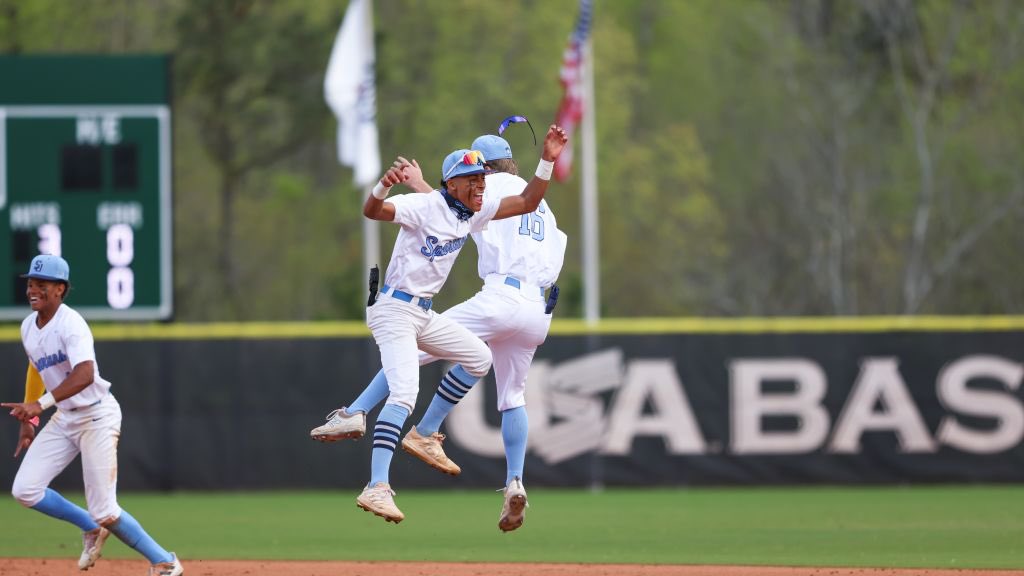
[[544, 169], [46, 401], [380, 191]]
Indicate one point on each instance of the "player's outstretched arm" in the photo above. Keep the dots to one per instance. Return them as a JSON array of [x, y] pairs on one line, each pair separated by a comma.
[[82, 375], [375, 207], [531, 196]]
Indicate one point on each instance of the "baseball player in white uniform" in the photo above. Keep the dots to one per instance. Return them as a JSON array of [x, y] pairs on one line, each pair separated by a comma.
[[62, 362], [435, 226], [518, 259]]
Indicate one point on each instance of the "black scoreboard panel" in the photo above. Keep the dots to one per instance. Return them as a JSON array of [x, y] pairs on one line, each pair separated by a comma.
[[85, 173]]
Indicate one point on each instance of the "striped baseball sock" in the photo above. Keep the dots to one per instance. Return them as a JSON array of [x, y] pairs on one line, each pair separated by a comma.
[[514, 428], [59, 507], [453, 387], [375, 392], [386, 433], [128, 530]]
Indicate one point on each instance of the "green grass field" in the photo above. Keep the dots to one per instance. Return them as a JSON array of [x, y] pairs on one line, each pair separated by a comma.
[[937, 527]]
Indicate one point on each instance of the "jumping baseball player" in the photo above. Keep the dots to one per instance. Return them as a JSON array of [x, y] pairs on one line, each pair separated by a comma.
[[62, 363], [518, 259], [435, 226]]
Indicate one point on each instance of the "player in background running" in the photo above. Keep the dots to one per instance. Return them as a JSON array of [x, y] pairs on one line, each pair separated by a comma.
[[63, 371]]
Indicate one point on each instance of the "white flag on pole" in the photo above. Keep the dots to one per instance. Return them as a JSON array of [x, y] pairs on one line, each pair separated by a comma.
[[350, 91]]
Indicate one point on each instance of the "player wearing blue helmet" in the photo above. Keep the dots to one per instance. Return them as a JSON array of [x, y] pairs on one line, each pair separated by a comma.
[[63, 372]]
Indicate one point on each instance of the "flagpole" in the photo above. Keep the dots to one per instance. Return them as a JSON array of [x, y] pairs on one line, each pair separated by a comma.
[[350, 91], [588, 195], [371, 241], [371, 228]]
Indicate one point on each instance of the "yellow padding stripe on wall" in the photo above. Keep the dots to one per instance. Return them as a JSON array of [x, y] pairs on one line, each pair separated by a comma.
[[562, 327], [859, 324]]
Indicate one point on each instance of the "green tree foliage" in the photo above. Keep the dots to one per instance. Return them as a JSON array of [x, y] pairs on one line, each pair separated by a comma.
[[754, 157], [246, 77]]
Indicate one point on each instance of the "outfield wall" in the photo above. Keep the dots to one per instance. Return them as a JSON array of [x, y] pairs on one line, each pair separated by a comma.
[[662, 403]]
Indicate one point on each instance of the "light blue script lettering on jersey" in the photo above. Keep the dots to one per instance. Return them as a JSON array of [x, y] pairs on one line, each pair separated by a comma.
[[50, 360], [432, 250]]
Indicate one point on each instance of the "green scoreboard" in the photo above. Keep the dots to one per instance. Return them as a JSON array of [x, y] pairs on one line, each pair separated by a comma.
[[85, 173]]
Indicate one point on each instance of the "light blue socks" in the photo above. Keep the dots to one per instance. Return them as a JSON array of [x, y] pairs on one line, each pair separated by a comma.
[[374, 393], [453, 387], [129, 531], [386, 434], [514, 429], [59, 507]]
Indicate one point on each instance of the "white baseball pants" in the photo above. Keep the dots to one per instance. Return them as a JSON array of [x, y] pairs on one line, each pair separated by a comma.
[[513, 323], [92, 431], [401, 329]]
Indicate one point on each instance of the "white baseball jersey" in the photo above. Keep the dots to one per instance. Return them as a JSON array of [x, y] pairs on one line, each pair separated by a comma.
[[88, 423], [430, 239], [518, 258], [530, 247], [425, 250], [58, 347]]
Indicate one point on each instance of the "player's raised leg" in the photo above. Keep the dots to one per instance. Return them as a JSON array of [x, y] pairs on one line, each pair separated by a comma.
[[341, 423], [445, 338], [350, 421], [423, 440]]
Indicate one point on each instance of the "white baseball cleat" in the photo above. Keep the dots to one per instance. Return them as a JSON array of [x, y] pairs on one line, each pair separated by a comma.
[[513, 511], [92, 547], [379, 499], [340, 425], [428, 449], [172, 568]]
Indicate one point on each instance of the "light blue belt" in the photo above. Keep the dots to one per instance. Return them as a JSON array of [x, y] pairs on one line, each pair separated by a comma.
[[424, 303], [514, 282]]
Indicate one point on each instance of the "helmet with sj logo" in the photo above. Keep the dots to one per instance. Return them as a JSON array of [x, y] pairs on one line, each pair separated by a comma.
[[48, 267]]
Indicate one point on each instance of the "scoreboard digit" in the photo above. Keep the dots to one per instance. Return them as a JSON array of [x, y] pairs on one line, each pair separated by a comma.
[[85, 173]]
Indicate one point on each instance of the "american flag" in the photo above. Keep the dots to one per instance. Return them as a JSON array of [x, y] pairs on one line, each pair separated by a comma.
[[570, 111]]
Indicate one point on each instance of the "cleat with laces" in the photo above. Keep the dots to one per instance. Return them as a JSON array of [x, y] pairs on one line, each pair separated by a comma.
[[379, 499], [340, 425], [513, 511], [428, 449], [172, 568], [92, 547]]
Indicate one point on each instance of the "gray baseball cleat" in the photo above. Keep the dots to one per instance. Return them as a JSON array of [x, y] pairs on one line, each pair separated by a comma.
[[92, 547], [513, 511], [428, 448], [340, 425], [172, 568], [380, 499]]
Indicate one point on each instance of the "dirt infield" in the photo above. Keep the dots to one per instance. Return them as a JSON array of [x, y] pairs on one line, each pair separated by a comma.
[[67, 567]]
